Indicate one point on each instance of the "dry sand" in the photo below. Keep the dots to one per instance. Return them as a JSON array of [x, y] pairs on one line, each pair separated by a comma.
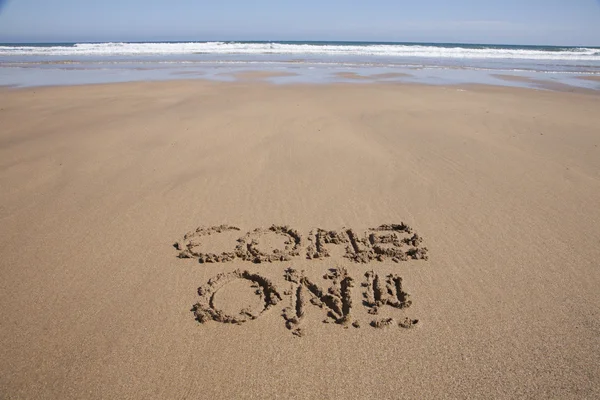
[[99, 182]]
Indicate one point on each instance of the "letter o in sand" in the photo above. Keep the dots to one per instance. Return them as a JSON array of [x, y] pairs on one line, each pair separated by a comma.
[[255, 245], [205, 310]]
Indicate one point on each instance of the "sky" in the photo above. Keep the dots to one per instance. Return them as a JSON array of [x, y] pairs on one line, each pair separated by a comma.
[[552, 22]]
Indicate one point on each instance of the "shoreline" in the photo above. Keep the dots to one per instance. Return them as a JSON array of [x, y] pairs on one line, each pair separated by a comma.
[[261, 77], [280, 71]]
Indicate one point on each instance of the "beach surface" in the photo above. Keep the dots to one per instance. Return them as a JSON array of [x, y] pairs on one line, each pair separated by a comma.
[[101, 183]]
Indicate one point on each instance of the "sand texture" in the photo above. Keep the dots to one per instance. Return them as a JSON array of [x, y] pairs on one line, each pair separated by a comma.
[[546, 84], [594, 78], [373, 77], [259, 75], [203, 240]]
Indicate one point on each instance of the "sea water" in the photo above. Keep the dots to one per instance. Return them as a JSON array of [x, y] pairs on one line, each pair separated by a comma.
[[448, 63]]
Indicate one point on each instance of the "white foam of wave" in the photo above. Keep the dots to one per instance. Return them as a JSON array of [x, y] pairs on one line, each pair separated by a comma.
[[221, 48]]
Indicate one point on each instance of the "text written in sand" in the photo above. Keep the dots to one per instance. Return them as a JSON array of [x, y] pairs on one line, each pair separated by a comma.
[[395, 242], [334, 296]]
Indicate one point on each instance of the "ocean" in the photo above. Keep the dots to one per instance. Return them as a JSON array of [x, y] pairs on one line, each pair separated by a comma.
[[436, 63]]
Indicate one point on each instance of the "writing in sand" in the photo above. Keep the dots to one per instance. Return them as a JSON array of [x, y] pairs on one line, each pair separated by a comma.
[[395, 242]]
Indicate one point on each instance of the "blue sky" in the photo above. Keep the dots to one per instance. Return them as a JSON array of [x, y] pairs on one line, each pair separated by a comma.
[[562, 22]]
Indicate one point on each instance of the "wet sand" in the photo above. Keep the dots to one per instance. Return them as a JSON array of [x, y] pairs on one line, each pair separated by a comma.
[[373, 77], [259, 75], [546, 84], [594, 78]]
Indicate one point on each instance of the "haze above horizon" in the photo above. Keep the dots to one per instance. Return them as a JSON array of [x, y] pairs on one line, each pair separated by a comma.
[[533, 22]]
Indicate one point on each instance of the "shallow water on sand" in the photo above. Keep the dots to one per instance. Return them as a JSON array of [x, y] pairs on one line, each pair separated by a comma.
[[310, 62]]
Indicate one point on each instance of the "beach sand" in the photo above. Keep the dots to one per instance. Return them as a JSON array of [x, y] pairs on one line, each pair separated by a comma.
[[374, 77], [259, 75], [594, 78], [99, 183], [546, 84]]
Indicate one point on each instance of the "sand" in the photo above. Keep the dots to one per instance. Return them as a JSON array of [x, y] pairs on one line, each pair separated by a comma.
[[594, 78], [357, 241], [546, 84], [373, 77], [259, 75]]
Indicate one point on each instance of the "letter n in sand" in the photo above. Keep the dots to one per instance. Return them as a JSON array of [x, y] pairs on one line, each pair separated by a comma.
[[336, 300]]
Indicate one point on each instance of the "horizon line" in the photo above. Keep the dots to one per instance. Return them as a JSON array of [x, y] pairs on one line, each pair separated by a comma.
[[291, 41]]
